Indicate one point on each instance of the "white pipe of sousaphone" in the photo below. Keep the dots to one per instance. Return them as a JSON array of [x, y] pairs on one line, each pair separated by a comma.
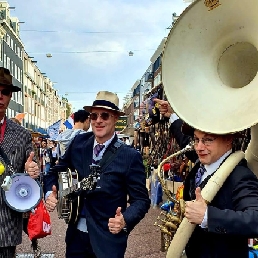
[[251, 153], [209, 191]]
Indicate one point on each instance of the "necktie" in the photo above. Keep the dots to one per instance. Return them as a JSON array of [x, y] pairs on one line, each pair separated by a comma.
[[199, 174], [97, 149]]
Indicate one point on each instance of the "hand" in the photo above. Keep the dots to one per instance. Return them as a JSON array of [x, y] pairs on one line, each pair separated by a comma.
[[164, 107], [116, 224], [31, 167], [195, 210], [51, 200]]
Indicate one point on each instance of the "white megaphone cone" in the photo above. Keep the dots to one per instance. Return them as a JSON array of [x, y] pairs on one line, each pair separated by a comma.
[[23, 194]]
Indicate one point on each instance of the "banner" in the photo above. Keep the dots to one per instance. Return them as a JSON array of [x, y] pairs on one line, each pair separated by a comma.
[[20, 116], [53, 130], [121, 123], [69, 122]]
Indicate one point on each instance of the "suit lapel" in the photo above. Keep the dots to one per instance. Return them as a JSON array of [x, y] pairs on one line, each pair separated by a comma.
[[9, 135], [87, 155]]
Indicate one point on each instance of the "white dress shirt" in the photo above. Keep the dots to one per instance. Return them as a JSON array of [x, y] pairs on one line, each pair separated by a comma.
[[210, 169]]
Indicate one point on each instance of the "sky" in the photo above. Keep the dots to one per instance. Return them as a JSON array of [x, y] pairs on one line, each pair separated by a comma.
[[90, 40]]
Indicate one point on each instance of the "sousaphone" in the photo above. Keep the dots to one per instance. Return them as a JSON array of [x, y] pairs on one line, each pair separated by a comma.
[[209, 73]]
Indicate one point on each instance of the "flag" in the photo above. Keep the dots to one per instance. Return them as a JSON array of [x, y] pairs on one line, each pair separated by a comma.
[[20, 116], [69, 122], [53, 130]]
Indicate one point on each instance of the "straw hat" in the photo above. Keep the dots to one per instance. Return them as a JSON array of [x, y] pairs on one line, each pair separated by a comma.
[[107, 100]]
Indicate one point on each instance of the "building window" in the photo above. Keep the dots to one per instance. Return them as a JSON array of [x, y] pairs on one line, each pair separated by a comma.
[[8, 39], [11, 43], [11, 67], [4, 60], [8, 62], [14, 70]]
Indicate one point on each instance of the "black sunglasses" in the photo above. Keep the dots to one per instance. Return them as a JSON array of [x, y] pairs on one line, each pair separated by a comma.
[[104, 116], [5, 92]]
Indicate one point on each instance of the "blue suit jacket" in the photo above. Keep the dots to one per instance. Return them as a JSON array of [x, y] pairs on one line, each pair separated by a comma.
[[122, 181]]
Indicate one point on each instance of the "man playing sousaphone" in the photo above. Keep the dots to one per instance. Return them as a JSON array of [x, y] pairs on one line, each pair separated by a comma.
[[225, 224]]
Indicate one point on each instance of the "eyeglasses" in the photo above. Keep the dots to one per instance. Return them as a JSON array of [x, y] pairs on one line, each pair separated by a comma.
[[104, 116], [5, 92], [206, 141]]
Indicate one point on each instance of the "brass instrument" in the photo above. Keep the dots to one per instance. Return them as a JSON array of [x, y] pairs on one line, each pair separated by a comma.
[[215, 72], [170, 221]]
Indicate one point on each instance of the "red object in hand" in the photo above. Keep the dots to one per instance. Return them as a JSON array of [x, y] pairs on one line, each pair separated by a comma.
[[39, 224]]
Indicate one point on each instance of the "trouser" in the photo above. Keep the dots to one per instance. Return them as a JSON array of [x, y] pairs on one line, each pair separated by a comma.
[[78, 244], [7, 252]]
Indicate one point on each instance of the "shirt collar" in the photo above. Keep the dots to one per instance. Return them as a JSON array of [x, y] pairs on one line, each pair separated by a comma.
[[106, 143], [214, 166]]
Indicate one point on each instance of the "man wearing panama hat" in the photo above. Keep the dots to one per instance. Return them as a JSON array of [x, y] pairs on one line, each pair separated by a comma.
[[104, 218], [16, 144]]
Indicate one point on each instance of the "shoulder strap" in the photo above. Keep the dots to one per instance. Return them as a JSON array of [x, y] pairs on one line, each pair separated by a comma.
[[111, 153], [4, 156], [6, 159]]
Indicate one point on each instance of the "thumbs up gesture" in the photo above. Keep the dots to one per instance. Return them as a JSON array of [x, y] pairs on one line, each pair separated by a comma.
[[117, 223], [195, 210], [51, 200], [31, 166]]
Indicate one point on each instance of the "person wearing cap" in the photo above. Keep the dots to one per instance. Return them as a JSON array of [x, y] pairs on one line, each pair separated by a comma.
[[105, 220], [16, 145], [224, 225]]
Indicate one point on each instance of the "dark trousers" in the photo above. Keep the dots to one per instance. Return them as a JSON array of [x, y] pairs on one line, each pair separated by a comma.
[[78, 244], [7, 252]]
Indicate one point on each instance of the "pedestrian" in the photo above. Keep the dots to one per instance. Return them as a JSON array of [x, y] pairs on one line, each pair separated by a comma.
[[105, 219], [53, 147], [16, 146], [45, 157], [225, 224], [81, 125]]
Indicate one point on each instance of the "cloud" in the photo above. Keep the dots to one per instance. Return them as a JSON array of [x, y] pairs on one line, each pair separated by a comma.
[[123, 26], [131, 25]]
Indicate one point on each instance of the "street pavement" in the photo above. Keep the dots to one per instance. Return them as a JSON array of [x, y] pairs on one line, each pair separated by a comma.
[[143, 242]]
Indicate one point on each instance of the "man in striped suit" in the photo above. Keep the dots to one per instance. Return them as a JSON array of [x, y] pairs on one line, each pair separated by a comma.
[[16, 143]]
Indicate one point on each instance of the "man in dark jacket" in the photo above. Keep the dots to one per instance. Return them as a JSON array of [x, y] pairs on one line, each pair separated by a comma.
[[224, 225], [104, 220]]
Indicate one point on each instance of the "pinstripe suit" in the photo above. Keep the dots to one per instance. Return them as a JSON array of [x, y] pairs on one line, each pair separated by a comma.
[[17, 145]]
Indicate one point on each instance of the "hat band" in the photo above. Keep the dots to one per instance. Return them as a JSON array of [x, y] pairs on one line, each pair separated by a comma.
[[105, 103]]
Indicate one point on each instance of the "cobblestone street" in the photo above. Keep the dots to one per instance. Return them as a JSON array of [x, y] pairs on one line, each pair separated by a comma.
[[144, 240]]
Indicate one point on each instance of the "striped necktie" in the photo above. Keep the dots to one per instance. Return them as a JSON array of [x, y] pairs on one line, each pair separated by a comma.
[[199, 174], [97, 149]]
